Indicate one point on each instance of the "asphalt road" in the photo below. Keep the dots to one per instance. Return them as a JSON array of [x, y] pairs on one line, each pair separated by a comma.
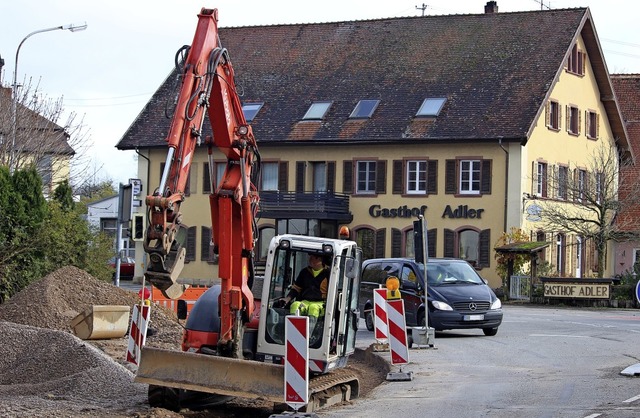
[[544, 362]]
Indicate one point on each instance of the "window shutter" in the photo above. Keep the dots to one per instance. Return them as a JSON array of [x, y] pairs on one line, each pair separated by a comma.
[[547, 115], [331, 176], [300, 169], [396, 242], [534, 178], [187, 188], [205, 244], [484, 249], [191, 245], [485, 180], [545, 178], [450, 185], [381, 236], [206, 181], [587, 123], [579, 122], [449, 243], [381, 177], [283, 176], [432, 176], [432, 236], [559, 117], [398, 176], [597, 126], [347, 176], [567, 118], [584, 62]]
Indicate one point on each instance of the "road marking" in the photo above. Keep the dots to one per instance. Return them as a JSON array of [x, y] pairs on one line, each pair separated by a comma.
[[593, 416], [635, 398], [559, 335]]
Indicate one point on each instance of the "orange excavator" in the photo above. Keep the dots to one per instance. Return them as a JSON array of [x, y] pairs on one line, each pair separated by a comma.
[[234, 342]]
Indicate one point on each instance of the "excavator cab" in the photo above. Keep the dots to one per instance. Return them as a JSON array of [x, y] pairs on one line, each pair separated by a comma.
[[333, 323]]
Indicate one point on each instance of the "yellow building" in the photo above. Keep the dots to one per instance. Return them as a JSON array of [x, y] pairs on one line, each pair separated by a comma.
[[372, 123]]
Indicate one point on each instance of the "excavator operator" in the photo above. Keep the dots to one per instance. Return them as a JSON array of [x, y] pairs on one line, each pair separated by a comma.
[[309, 289]]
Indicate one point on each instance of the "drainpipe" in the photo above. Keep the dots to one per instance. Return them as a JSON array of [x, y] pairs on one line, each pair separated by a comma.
[[506, 182]]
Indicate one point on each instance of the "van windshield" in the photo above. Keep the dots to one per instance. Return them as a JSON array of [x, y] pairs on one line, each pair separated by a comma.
[[450, 273]]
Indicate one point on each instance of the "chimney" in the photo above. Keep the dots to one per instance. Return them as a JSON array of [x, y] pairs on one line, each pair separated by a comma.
[[491, 7]]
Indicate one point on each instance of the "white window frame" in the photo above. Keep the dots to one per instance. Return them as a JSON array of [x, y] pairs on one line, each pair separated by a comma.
[[541, 172], [416, 177], [469, 182], [270, 171], [369, 172]]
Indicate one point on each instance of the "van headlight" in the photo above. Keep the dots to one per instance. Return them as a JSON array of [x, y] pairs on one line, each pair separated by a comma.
[[496, 304], [441, 306]]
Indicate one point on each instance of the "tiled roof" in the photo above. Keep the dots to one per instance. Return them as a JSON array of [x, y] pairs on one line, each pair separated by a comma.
[[494, 69]]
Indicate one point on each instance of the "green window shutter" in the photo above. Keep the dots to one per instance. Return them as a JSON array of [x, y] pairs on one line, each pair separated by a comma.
[[300, 169], [381, 237], [283, 176], [381, 177], [450, 180], [484, 249], [485, 180], [398, 176], [331, 176], [449, 243], [396, 242], [347, 176], [432, 176]]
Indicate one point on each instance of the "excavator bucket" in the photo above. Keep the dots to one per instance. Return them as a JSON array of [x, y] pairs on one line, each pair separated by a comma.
[[163, 270], [211, 374], [101, 322]]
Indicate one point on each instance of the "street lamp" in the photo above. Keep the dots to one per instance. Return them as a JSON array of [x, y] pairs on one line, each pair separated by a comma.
[[71, 27]]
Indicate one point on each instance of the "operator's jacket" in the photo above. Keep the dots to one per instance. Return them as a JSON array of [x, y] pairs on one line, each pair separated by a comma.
[[310, 288]]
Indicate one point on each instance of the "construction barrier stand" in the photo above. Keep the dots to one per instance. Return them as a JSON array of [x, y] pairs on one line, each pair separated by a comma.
[[381, 330], [397, 332], [138, 332], [296, 368]]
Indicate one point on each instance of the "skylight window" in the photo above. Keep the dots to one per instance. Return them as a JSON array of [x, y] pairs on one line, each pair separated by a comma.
[[364, 109], [250, 110], [431, 107], [317, 110]]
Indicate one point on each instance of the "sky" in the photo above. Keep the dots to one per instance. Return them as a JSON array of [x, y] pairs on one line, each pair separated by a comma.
[[106, 73]]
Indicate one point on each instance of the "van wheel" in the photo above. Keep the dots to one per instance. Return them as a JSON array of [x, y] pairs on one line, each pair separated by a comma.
[[490, 332], [368, 320]]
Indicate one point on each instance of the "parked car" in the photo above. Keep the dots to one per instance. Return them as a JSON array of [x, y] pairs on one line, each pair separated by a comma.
[[458, 297], [127, 267]]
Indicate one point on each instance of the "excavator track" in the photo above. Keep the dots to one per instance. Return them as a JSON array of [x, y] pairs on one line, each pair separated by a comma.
[[332, 388]]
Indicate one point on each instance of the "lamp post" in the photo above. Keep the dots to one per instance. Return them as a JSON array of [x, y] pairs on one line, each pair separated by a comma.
[[71, 27]]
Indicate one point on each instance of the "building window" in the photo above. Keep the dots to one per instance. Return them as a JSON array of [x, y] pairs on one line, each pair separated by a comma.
[[266, 234], [317, 110], [431, 107], [366, 177], [553, 115], [573, 120], [319, 176], [592, 122], [563, 178], [364, 109], [269, 172], [541, 237], [250, 110], [416, 177], [560, 256], [469, 177], [541, 179], [576, 61], [217, 176], [581, 180], [45, 170], [468, 244], [598, 185]]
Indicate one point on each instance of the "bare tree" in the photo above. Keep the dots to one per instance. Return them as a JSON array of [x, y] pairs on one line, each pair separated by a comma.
[[42, 133], [592, 202]]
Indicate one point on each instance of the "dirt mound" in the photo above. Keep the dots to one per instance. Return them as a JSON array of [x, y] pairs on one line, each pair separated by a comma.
[[56, 299]]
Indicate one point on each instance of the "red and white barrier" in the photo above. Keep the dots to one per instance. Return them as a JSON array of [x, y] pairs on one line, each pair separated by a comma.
[[296, 357], [397, 332], [381, 330], [137, 332]]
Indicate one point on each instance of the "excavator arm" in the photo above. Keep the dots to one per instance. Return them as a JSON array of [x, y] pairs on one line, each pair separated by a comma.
[[208, 88]]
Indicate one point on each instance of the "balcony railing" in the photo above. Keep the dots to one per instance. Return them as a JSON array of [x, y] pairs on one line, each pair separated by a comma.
[[302, 205]]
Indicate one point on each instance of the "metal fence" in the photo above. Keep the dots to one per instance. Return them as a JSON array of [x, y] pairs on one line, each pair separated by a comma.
[[520, 287]]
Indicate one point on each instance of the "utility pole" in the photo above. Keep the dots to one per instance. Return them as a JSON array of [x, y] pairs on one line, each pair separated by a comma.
[[423, 8]]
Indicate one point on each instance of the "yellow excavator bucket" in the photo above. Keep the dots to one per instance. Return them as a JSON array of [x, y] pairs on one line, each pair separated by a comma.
[[100, 322], [211, 374]]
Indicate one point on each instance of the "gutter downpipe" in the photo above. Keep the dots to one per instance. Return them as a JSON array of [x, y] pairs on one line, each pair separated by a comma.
[[506, 182]]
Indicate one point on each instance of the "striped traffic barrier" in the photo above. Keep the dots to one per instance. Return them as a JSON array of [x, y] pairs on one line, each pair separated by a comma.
[[381, 329], [397, 332], [138, 332], [296, 357]]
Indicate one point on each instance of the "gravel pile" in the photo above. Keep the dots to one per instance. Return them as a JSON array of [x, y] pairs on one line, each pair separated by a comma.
[[45, 371]]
